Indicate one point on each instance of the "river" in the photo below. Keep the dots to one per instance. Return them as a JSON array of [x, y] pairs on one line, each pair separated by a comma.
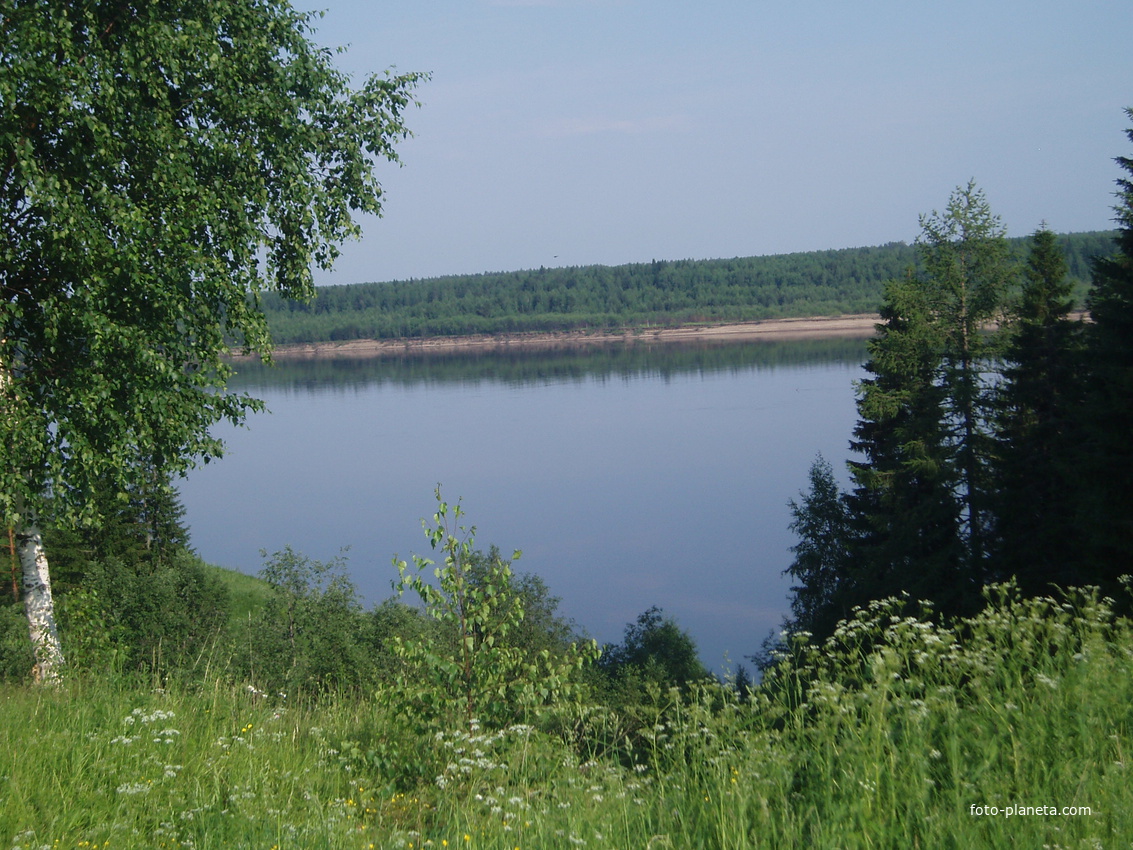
[[629, 476]]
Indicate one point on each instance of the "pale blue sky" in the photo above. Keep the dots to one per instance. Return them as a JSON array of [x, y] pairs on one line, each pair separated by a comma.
[[571, 132]]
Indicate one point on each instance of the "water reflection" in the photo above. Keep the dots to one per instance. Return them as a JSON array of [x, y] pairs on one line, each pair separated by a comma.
[[520, 368], [630, 477]]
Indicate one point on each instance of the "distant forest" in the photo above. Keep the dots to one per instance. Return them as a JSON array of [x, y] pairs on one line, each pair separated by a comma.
[[659, 293]]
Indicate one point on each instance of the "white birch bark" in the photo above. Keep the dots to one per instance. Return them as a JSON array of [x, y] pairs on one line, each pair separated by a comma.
[[39, 605], [38, 602]]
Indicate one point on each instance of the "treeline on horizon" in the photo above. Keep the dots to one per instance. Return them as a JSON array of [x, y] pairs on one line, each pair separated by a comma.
[[661, 292]]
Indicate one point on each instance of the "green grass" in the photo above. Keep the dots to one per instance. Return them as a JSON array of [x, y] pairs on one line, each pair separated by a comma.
[[886, 736], [247, 594]]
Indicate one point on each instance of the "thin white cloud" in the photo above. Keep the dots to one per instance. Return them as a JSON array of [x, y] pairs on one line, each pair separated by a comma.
[[567, 127]]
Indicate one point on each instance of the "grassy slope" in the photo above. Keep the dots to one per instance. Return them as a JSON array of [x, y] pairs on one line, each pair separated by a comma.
[[247, 594], [886, 737]]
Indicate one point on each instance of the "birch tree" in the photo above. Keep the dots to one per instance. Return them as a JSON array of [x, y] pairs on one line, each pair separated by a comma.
[[917, 519], [968, 270], [161, 166]]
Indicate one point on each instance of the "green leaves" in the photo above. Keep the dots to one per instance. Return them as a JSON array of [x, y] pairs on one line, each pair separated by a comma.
[[919, 516], [159, 167], [473, 664]]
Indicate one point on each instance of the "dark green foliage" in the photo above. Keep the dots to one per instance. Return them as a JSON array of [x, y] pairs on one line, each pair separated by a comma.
[[1081, 251], [131, 595], [989, 454], [540, 628], [636, 295], [654, 650], [743, 684], [381, 628], [822, 523], [144, 523], [1038, 540], [968, 271], [161, 616], [904, 507], [1107, 450], [660, 292], [919, 518], [308, 638], [16, 658]]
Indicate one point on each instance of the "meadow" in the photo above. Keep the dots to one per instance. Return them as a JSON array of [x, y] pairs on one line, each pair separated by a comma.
[[1007, 729]]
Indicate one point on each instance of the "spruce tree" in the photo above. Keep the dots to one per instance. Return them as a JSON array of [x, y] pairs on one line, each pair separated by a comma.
[[920, 511], [1036, 535], [1106, 503], [904, 507], [822, 524]]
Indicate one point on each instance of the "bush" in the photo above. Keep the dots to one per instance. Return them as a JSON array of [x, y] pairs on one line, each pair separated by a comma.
[[156, 615], [16, 658], [474, 670], [307, 638], [655, 650]]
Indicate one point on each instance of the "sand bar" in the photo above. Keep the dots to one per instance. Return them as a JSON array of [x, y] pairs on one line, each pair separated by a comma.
[[855, 326]]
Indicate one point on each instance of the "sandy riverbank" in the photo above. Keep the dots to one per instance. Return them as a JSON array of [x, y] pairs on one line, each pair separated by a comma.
[[813, 328]]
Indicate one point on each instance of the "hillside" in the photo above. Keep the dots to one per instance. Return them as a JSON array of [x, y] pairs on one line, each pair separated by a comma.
[[679, 292], [1010, 729]]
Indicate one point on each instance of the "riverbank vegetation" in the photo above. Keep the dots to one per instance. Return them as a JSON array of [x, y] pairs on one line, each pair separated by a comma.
[[655, 294], [201, 707], [933, 690], [300, 719], [993, 434]]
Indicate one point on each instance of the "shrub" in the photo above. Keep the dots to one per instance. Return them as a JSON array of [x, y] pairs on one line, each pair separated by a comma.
[[473, 668], [307, 637]]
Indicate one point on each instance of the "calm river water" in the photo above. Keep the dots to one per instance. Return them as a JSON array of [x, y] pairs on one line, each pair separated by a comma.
[[629, 477]]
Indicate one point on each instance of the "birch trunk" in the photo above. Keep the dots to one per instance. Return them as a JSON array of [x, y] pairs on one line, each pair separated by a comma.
[[39, 605], [38, 602]]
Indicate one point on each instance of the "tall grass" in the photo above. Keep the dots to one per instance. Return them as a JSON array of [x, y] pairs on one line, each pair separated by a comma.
[[888, 735]]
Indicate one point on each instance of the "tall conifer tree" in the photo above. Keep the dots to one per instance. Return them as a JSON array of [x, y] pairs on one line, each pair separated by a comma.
[[1107, 464], [822, 524], [904, 508], [920, 512], [1036, 535]]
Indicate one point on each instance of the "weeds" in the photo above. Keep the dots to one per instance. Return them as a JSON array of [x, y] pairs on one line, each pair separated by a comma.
[[896, 732]]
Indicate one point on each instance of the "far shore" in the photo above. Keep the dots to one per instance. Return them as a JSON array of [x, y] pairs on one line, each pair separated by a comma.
[[855, 326]]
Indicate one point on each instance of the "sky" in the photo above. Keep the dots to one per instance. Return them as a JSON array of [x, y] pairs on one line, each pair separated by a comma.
[[578, 132]]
